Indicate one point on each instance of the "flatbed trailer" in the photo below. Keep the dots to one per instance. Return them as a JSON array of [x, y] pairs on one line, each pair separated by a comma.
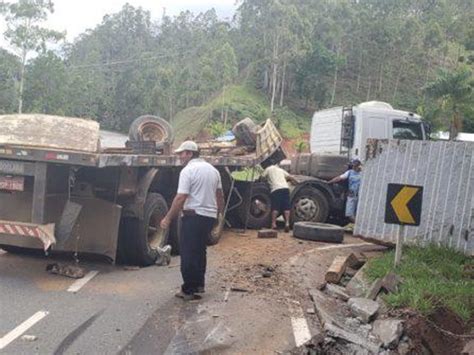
[[97, 199]]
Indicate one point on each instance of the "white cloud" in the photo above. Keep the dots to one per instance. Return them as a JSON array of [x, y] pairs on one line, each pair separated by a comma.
[[75, 17]]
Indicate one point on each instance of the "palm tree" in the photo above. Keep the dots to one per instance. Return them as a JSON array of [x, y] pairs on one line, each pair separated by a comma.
[[453, 90]]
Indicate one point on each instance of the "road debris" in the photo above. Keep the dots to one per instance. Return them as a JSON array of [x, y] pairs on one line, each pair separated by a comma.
[[388, 331], [267, 233], [72, 271], [29, 337], [364, 308], [337, 292], [131, 268], [238, 289], [337, 269], [389, 284]]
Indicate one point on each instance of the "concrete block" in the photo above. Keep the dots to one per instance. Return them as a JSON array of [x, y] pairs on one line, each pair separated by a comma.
[[388, 331], [364, 308]]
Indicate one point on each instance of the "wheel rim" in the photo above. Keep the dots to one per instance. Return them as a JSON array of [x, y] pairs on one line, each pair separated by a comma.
[[259, 206], [306, 209], [156, 235], [151, 131]]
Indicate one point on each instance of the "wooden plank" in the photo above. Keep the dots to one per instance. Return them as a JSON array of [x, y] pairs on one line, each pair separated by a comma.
[[337, 269]]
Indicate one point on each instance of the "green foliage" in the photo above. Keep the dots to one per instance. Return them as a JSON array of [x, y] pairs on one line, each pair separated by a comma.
[[217, 129], [454, 95], [274, 59], [432, 277]]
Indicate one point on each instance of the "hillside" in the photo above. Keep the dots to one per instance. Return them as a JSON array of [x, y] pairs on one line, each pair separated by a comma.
[[237, 102]]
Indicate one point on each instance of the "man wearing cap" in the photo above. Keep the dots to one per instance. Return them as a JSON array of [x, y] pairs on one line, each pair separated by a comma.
[[353, 177], [200, 198]]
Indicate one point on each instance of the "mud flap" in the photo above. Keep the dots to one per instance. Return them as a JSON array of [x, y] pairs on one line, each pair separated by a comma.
[[67, 222]]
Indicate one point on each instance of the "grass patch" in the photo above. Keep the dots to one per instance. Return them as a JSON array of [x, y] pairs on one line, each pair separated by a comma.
[[432, 276]]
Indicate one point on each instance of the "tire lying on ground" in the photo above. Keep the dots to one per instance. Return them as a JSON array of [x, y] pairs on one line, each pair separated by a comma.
[[139, 239], [318, 232], [151, 128]]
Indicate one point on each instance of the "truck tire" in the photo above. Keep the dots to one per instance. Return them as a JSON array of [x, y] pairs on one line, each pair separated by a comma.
[[246, 132], [151, 128], [318, 232], [139, 239], [309, 205], [257, 208]]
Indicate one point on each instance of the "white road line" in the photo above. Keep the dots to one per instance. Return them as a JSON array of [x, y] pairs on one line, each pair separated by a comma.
[[343, 246], [300, 325], [23, 327], [77, 285]]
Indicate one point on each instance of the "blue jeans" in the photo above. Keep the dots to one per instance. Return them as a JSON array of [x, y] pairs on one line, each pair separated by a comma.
[[194, 233]]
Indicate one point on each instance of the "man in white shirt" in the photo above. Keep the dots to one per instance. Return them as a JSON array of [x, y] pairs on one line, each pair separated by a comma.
[[280, 193], [200, 198]]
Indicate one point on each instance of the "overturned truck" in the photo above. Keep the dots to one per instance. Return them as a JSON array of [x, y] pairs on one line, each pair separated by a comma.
[[67, 186]]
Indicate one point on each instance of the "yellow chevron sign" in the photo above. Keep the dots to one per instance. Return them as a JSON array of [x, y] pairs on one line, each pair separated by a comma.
[[403, 204]]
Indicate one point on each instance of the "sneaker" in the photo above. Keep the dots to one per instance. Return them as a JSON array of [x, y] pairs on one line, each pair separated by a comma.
[[200, 290], [187, 296], [287, 229]]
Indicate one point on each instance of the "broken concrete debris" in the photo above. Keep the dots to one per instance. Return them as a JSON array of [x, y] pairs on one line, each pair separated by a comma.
[[388, 331], [29, 337], [389, 283], [364, 308], [337, 292], [267, 233], [72, 271]]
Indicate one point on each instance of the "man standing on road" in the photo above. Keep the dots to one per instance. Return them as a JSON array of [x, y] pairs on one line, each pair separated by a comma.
[[200, 198], [280, 193], [353, 177]]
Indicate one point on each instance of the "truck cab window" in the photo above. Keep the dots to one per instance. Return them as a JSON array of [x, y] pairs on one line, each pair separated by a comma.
[[407, 130]]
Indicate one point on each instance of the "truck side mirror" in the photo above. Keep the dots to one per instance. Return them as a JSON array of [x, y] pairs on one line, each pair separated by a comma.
[[347, 134]]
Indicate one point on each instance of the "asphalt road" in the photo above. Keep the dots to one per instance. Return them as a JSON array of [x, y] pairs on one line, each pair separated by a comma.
[[101, 317], [134, 311]]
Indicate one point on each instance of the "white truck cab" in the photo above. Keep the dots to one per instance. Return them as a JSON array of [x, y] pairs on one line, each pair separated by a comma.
[[345, 130]]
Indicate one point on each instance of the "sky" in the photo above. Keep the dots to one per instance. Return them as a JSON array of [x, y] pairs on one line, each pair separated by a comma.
[[75, 16]]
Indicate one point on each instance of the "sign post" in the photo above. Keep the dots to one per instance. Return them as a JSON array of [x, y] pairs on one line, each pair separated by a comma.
[[403, 207]]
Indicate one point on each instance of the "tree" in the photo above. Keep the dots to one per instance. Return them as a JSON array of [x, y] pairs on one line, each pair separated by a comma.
[[453, 91], [25, 34]]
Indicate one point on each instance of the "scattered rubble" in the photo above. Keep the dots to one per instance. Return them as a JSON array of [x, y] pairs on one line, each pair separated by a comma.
[[336, 270], [389, 283], [267, 233], [29, 337], [364, 308], [337, 291], [72, 271], [388, 331]]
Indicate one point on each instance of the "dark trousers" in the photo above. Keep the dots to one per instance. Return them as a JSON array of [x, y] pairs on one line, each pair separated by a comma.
[[194, 233]]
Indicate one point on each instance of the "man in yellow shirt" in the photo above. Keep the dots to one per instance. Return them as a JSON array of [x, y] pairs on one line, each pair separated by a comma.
[[280, 193]]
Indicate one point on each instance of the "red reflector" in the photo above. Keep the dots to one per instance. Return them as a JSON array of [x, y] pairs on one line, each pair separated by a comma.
[[51, 156]]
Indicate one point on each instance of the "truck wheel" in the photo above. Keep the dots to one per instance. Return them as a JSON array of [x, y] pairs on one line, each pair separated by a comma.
[[311, 205], [245, 131], [216, 232], [140, 239], [260, 210], [318, 232], [151, 128]]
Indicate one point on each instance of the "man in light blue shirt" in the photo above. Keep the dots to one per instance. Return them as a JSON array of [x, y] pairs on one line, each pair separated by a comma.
[[353, 177]]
